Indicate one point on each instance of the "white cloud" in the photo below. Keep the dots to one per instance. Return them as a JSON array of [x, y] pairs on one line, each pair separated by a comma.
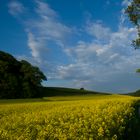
[[44, 9], [98, 30], [16, 8], [42, 29], [46, 29], [34, 46], [97, 62], [126, 2], [48, 24]]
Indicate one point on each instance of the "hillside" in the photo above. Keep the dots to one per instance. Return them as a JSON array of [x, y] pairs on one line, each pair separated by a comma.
[[58, 91], [136, 93]]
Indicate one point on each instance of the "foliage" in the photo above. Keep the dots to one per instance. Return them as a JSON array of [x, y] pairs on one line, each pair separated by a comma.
[[18, 79], [98, 119], [138, 70], [31, 79], [136, 93], [9, 68], [133, 11]]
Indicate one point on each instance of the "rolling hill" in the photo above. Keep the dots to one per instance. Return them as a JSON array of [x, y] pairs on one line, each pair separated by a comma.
[[136, 93], [58, 91]]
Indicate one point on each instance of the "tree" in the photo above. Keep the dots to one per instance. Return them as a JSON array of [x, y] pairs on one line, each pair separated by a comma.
[[133, 11], [19, 79], [31, 79], [9, 81], [82, 88]]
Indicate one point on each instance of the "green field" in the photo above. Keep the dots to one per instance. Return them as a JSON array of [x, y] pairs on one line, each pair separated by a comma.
[[85, 117]]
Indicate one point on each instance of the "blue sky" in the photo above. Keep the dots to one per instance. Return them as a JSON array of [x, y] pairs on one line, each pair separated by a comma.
[[76, 43]]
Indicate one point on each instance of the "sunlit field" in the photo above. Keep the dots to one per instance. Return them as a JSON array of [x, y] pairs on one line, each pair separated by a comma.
[[91, 117]]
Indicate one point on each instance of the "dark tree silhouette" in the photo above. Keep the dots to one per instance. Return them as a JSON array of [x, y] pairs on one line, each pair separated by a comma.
[[31, 79], [19, 79]]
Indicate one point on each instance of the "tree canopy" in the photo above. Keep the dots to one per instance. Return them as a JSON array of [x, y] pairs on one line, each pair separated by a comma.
[[19, 79], [133, 11]]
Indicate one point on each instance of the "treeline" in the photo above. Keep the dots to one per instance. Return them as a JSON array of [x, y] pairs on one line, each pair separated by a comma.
[[136, 93], [19, 79]]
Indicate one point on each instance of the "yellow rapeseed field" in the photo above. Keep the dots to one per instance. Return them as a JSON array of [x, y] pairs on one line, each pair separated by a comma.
[[102, 118]]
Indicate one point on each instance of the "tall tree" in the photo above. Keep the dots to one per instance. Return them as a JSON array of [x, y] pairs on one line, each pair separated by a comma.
[[32, 78], [133, 11], [9, 82], [19, 79]]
